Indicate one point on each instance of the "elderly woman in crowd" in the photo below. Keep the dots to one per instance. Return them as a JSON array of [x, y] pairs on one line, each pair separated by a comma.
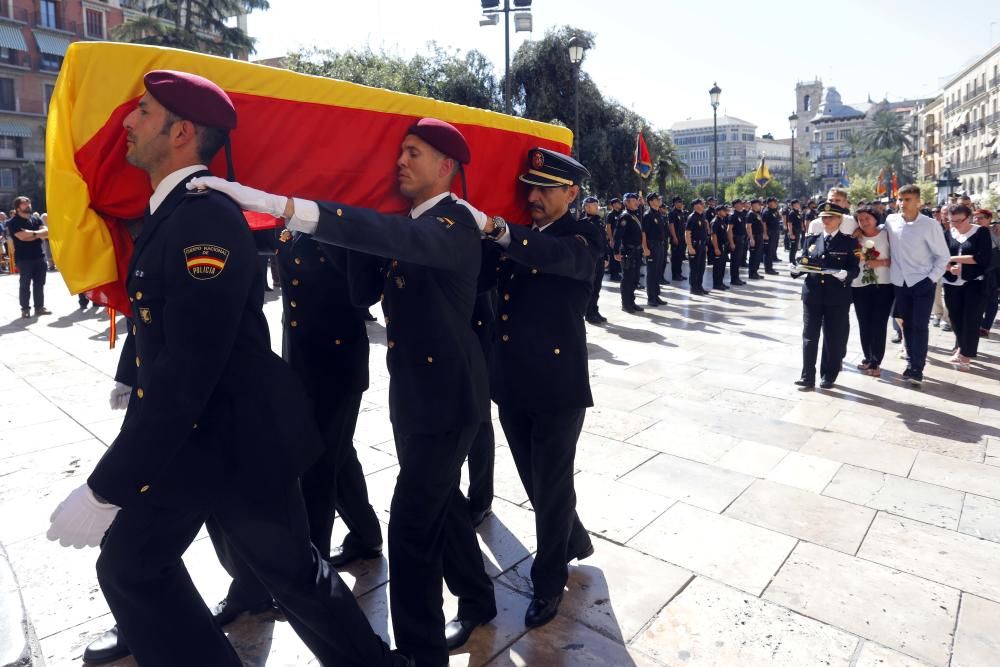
[[965, 285], [871, 291]]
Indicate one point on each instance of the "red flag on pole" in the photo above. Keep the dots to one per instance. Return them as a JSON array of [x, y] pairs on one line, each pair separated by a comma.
[[642, 163]]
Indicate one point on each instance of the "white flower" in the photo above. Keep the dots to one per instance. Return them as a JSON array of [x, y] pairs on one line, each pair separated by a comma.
[[869, 244], [812, 248]]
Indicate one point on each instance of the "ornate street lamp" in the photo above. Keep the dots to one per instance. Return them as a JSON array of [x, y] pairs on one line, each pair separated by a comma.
[[577, 48], [792, 124], [714, 93]]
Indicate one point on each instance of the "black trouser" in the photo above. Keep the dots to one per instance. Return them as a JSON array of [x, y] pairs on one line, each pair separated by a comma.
[[697, 262], [872, 306], [771, 251], [631, 258], [664, 278], [990, 308], [595, 293], [481, 460], [544, 446], [718, 269], [756, 255], [736, 259], [677, 252], [614, 266], [654, 270], [793, 248], [164, 620], [913, 306], [833, 320], [32, 277], [965, 310], [430, 537]]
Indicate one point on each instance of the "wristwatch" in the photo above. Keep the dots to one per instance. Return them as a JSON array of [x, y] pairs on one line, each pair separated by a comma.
[[499, 227]]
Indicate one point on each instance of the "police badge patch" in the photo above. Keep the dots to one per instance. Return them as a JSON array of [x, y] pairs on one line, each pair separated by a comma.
[[145, 315], [205, 261]]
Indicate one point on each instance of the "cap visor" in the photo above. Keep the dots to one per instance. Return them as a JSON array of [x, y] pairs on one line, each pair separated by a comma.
[[540, 181]]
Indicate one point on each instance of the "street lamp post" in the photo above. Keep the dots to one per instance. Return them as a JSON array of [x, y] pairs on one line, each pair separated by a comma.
[[714, 93], [522, 23], [577, 47], [792, 124]]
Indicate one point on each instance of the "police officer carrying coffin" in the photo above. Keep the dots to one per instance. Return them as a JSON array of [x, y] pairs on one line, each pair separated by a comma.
[[610, 224], [720, 244], [198, 439], [829, 265], [541, 382], [738, 247], [592, 216], [696, 237], [653, 236], [677, 222], [755, 234], [628, 250], [438, 391]]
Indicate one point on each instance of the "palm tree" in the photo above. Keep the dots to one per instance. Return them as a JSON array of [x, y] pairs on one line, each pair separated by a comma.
[[195, 25], [888, 132]]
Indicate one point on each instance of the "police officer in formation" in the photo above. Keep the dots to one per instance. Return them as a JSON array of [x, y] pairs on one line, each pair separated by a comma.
[[677, 223], [628, 250], [756, 237], [696, 238], [772, 234], [721, 244], [653, 238], [793, 228], [829, 265], [738, 246], [610, 225], [541, 382], [198, 440], [592, 216], [438, 391]]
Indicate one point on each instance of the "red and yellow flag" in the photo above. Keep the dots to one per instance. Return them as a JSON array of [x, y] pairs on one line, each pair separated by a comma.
[[299, 135]]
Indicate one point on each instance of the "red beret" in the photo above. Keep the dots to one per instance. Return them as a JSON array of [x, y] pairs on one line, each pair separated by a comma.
[[985, 211], [442, 136], [192, 97]]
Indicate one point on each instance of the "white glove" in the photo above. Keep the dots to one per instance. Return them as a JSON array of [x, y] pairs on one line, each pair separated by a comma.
[[119, 396], [480, 217], [81, 520], [248, 198], [840, 275]]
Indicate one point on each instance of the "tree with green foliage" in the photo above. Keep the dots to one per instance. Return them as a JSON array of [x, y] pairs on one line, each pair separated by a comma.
[[887, 132], [31, 184], [439, 73], [744, 187], [861, 188], [193, 25]]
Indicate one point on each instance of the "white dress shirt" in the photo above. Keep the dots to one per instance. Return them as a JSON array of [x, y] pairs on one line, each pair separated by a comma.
[[171, 181], [918, 249]]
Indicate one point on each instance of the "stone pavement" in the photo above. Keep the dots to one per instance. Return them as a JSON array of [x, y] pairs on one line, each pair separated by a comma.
[[737, 521]]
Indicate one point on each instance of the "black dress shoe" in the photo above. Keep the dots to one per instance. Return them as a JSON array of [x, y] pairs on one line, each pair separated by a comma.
[[738, 283], [632, 309], [654, 304], [826, 384], [457, 631], [347, 553], [699, 292], [805, 384], [771, 273], [541, 611], [585, 552], [754, 276], [478, 516], [107, 648], [226, 612]]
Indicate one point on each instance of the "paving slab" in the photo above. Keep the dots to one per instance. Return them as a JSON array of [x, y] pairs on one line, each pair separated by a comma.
[[710, 624], [982, 480], [733, 552], [804, 471], [694, 483], [977, 641], [863, 453], [981, 518], [898, 610]]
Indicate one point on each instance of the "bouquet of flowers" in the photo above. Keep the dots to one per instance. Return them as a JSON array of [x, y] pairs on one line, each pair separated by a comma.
[[866, 253]]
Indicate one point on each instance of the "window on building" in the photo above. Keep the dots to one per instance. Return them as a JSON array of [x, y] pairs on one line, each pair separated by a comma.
[[807, 103], [8, 102], [829, 170], [845, 134], [830, 135], [47, 90], [94, 23], [5, 8], [50, 62], [47, 13], [8, 56], [7, 179]]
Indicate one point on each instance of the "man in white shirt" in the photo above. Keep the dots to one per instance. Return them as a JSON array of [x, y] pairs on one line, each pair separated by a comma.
[[919, 259], [848, 224]]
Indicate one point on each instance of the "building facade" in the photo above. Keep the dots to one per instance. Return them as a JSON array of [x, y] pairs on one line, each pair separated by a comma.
[[930, 137], [971, 123], [34, 36], [778, 155], [696, 148]]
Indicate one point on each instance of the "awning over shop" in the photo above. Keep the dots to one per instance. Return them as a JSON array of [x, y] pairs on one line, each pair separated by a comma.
[[11, 37], [8, 129], [51, 44]]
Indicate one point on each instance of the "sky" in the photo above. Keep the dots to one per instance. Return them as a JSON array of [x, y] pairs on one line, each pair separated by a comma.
[[660, 57]]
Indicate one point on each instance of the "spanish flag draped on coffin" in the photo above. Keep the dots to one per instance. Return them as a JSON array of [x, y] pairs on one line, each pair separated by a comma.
[[297, 134]]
